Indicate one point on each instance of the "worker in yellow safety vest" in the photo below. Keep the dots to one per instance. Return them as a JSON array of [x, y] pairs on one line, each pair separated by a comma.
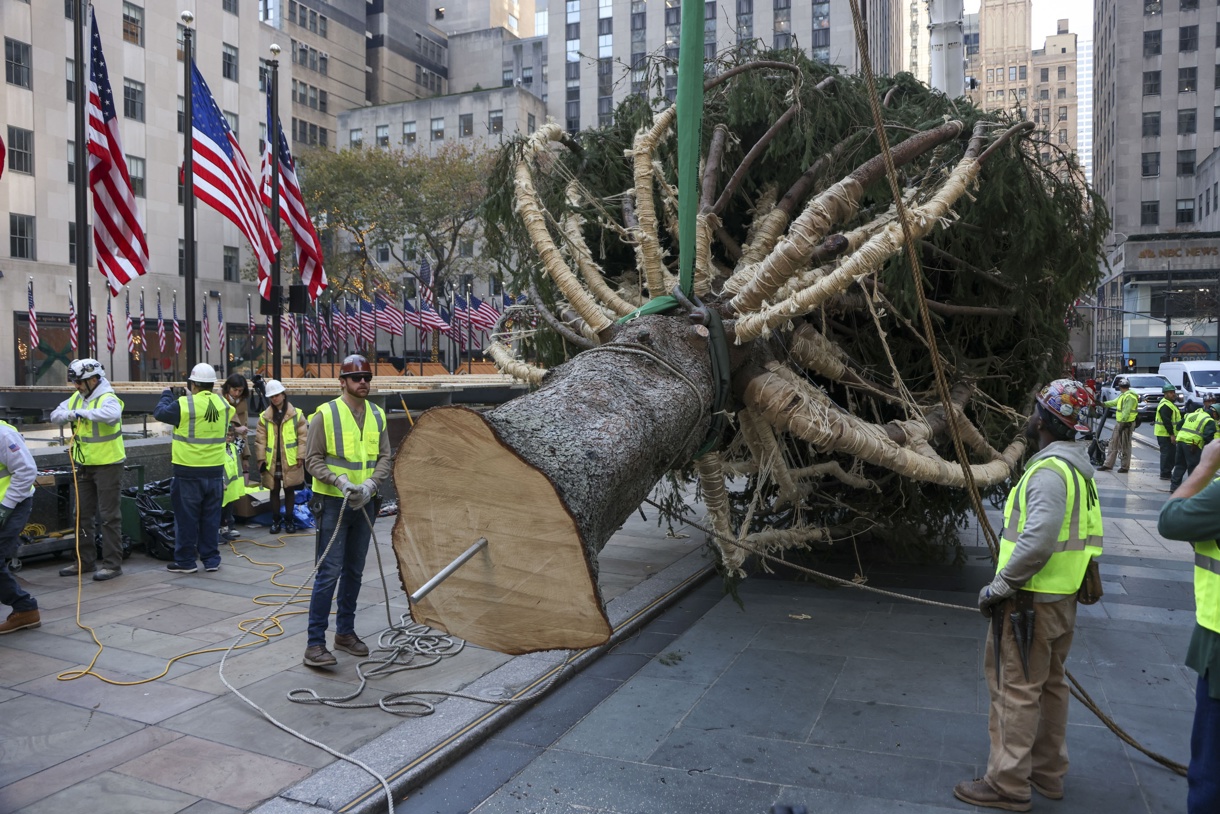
[[1052, 531], [1192, 514], [1168, 419], [96, 416], [200, 418], [1126, 411], [347, 453], [1197, 430]]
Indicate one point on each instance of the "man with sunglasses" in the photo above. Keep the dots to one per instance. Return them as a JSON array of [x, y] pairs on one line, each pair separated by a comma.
[[348, 454]]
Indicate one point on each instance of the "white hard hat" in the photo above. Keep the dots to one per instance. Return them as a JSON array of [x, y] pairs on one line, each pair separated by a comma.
[[203, 373], [83, 369], [273, 388]]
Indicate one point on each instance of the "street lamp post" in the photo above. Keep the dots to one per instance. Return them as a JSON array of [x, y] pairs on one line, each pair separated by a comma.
[[273, 133], [1168, 315]]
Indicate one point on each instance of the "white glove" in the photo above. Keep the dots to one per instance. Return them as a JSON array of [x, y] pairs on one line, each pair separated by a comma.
[[344, 484], [369, 487], [994, 593], [60, 415]]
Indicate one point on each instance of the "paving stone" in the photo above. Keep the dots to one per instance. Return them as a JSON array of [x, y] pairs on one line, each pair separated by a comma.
[[18, 666], [114, 792], [1163, 791], [1157, 685], [872, 726], [1110, 647], [147, 702], [555, 714], [702, 653], [470, 781], [950, 651], [214, 771], [67, 626], [38, 733], [631, 723], [906, 683]]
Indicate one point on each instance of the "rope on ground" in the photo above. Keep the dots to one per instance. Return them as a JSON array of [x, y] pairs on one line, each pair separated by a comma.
[[1077, 690]]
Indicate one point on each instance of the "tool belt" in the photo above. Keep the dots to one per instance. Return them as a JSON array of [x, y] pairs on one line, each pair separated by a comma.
[[1090, 591]]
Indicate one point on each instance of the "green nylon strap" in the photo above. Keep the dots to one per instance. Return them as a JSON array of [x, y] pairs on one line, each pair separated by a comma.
[[690, 126]]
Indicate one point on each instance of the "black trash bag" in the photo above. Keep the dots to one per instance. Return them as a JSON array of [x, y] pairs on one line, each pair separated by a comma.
[[157, 523], [155, 488]]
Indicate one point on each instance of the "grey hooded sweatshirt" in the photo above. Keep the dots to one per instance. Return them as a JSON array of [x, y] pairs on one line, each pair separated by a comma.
[[1046, 503]]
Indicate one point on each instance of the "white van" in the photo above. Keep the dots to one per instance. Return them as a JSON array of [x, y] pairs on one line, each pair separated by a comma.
[[1193, 380]]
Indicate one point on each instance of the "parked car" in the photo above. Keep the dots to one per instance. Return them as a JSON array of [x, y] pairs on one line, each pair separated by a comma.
[[1148, 386], [1193, 380]]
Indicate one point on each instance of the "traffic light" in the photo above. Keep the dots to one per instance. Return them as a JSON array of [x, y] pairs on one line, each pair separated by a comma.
[[1131, 364]]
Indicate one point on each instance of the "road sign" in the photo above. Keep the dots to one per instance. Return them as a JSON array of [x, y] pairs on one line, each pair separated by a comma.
[[1172, 347]]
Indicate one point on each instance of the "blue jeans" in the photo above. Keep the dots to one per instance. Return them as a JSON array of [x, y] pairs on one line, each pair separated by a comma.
[[343, 566], [196, 504], [1203, 796], [11, 593]]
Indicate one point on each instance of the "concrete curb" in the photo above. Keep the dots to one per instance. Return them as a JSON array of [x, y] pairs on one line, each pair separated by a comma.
[[420, 748]]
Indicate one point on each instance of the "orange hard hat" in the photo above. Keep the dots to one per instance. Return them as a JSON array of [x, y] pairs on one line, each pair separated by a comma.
[[355, 364]]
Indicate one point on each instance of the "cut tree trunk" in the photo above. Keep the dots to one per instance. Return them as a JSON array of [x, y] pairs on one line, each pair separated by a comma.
[[547, 478]]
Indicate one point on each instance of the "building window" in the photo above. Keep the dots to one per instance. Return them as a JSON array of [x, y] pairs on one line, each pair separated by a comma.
[[1150, 165], [355, 138], [383, 135], [1186, 211], [1152, 43], [21, 236], [1022, 74], [71, 162], [990, 76], [1152, 83], [21, 150], [323, 103], [229, 6], [1061, 93], [466, 248], [70, 79], [228, 62], [1150, 213], [1186, 162], [1152, 7], [438, 129], [1063, 114], [527, 75], [1152, 124], [72, 243], [465, 125], [1188, 38], [1063, 136], [1190, 5], [1012, 73], [133, 99], [1186, 121], [323, 27], [181, 114], [133, 24], [1044, 95], [135, 171], [323, 139], [181, 42], [181, 258], [495, 121], [232, 270], [1188, 80], [231, 118], [506, 78], [16, 63], [1216, 118], [531, 122], [408, 132]]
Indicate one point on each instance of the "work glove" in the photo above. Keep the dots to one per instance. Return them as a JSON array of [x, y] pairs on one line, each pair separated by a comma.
[[369, 490], [993, 594], [5, 511]]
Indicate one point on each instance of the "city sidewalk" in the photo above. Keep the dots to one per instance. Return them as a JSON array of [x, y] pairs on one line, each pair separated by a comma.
[[836, 699]]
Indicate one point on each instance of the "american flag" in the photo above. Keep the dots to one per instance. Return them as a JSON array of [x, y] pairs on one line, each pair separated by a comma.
[[368, 324], [324, 332], [32, 314], [431, 319], [389, 317], [353, 323], [289, 325], [143, 335], [250, 317], [269, 332], [483, 314], [338, 322], [414, 317], [131, 334], [1, 157], [160, 324], [222, 330], [207, 332], [292, 208], [72, 325], [92, 335], [223, 179], [453, 329], [177, 330], [461, 314], [425, 279], [110, 343], [311, 334], [118, 228]]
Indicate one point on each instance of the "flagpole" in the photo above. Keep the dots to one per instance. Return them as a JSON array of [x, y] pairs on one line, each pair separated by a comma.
[[469, 335], [405, 304], [419, 330], [82, 165], [250, 337], [273, 133], [188, 184]]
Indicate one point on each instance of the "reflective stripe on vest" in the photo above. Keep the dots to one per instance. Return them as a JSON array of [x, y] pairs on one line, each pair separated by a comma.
[[6, 477], [95, 443], [1191, 431], [199, 442], [1159, 430], [351, 450], [1080, 534], [1207, 585]]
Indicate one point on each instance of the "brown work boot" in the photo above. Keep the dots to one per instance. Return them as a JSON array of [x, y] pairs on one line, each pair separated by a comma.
[[72, 570], [350, 643], [1051, 791], [319, 656], [980, 793], [1124, 469], [1103, 468], [20, 620]]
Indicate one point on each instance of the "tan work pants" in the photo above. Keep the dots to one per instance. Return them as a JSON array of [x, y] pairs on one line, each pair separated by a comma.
[[1028, 718], [1120, 445]]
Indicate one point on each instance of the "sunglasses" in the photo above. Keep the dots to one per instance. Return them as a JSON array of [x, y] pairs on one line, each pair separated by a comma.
[[360, 377]]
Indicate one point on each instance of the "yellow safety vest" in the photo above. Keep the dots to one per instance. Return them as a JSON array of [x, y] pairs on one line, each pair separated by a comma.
[[95, 443], [290, 441], [1079, 537], [352, 450], [6, 477], [198, 441], [1127, 409], [1159, 430], [1191, 431], [235, 484]]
